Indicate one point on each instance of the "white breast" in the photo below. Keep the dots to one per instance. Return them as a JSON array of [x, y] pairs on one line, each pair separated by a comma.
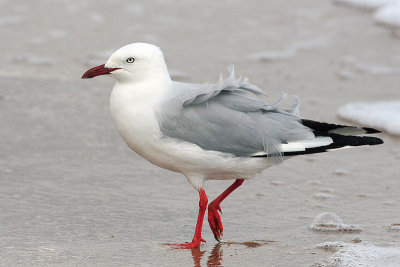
[[133, 112], [134, 119]]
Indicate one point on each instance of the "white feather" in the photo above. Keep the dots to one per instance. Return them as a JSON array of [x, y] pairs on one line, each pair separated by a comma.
[[302, 145]]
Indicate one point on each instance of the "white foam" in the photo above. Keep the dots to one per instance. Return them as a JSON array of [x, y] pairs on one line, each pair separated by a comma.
[[330, 222], [365, 4], [361, 254], [383, 115], [330, 245], [395, 227], [387, 11], [389, 14]]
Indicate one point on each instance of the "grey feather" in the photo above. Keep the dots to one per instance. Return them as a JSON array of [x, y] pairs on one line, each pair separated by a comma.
[[229, 117]]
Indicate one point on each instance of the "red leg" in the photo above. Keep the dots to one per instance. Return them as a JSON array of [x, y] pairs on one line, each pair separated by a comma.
[[214, 219], [197, 239]]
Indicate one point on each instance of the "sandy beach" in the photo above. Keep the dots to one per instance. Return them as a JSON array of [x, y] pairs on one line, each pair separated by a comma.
[[73, 194]]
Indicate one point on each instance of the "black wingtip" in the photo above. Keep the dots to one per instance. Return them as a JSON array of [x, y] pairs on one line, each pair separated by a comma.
[[351, 140], [371, 130], [378, 141], [330, 127], [358, 140]]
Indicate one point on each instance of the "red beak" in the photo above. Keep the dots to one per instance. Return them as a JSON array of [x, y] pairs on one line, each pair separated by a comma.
[[96, 71]]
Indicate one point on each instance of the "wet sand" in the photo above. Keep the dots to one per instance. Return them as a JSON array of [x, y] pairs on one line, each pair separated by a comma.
[[73, 194]]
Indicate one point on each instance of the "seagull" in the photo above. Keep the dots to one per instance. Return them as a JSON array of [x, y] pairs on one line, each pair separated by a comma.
[[219, 131]]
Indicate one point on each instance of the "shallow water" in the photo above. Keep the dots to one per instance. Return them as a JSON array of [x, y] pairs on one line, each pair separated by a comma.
[[73, 194]]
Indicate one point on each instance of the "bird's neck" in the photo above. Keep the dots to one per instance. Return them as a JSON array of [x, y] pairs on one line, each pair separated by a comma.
[[136, 102], [140, 93]]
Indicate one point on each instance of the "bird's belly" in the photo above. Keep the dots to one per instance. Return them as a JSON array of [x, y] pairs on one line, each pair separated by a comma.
[[190, 159]]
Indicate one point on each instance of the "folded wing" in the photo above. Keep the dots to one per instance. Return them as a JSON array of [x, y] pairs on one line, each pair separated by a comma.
[[232, 117], [229, 117]]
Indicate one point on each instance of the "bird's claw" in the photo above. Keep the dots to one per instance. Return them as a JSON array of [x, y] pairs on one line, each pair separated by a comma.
[[214, 219], [218, 238]]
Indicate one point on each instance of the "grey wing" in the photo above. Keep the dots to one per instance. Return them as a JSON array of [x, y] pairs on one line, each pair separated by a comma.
[[229, 117]]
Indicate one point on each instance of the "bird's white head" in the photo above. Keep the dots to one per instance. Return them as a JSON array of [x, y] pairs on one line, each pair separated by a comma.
[[132, 63]]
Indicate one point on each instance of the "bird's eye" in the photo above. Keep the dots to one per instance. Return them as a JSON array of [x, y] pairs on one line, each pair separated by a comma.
[[130, 60]]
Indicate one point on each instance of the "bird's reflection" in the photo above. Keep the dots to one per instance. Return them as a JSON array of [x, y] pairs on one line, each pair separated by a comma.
[[215, 258], [197, 254]]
